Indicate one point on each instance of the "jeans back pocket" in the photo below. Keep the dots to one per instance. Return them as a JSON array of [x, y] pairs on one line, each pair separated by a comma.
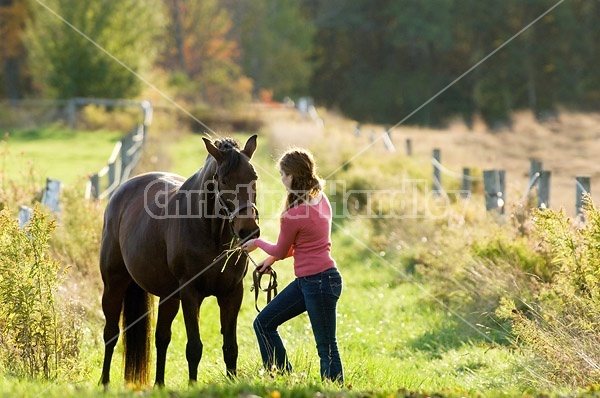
[[335, 285]]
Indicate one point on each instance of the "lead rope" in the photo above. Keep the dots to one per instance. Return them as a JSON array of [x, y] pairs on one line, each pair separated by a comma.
[[271, 288]]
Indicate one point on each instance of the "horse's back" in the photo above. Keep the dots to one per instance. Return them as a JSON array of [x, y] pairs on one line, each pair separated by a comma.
[[140, 197], [134, 230]]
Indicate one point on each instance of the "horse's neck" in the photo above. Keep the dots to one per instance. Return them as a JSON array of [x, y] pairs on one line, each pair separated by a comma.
[[196, 200], [192, 197]]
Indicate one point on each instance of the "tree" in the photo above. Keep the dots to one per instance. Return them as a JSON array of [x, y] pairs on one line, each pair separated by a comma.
[[12, 52], [380, 61], [64, 54], [276, 41], [200, 54]]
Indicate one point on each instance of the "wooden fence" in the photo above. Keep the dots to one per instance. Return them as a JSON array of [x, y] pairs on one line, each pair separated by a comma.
[[494, 185], [125, 154], [494, 180], [123, 159]]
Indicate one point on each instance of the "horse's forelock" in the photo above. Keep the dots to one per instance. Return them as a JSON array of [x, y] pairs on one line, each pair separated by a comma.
[[232, 156], [226, 144]]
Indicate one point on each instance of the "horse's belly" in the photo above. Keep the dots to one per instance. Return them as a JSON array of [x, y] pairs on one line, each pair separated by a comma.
[[155, 279]]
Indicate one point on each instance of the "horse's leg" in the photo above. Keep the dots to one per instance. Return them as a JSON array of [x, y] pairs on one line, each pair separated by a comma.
[[190, 304], [166, 313], [229, 307], [115, 286]]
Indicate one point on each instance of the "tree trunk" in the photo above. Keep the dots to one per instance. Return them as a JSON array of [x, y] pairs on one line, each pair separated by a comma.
[[11, 75]]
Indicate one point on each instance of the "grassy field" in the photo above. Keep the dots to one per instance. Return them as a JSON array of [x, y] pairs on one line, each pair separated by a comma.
[[56, 152], [395, 338]]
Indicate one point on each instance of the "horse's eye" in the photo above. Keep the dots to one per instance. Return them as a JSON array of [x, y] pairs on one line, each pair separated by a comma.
[[224, 182]]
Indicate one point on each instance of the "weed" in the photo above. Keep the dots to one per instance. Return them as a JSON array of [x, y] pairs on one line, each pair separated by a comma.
[[38, 336], [560, 326]]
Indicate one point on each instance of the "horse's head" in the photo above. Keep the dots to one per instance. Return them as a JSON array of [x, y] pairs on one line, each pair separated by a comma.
[[236, 184]]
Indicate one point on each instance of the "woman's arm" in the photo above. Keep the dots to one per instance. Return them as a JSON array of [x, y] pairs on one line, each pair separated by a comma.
[[284, 246], [265, 265]]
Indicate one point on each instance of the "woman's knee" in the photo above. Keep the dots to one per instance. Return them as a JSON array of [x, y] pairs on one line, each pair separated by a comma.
[[258, 325]]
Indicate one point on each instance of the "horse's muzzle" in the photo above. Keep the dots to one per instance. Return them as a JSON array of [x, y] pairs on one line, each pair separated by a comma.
[[249, 233]]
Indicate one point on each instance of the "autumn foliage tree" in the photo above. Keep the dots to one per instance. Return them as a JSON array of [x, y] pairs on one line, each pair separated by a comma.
[[276, 42], [200, 55]]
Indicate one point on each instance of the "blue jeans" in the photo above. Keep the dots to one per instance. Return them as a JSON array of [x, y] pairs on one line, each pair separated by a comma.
[[318, 295]]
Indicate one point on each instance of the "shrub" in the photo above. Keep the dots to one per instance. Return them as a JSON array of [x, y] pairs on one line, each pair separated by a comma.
[[225, 121], [39, 336], [469, 268], [76, 241], [97, 117], [561, 325]]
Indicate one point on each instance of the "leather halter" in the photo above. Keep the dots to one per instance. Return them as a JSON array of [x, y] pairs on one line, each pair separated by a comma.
[[230, 215]]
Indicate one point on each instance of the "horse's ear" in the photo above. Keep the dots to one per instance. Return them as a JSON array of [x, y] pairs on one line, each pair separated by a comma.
[[250, 146], [213, 150]]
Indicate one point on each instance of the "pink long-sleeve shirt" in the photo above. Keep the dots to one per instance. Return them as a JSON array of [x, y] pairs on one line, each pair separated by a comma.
[[305, 233]]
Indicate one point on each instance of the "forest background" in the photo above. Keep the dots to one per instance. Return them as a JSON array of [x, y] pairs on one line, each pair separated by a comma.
[[374, 61]]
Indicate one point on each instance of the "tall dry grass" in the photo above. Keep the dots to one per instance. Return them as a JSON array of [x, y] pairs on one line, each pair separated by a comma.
[[528, 279]]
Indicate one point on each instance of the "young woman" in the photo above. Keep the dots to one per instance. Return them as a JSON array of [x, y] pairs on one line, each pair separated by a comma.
[[305, 234]]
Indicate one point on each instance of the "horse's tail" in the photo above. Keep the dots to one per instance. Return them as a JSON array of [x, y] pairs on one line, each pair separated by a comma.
[[137, 314]]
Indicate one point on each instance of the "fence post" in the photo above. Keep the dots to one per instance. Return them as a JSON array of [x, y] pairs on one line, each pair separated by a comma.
[[387, 142], [437, 175], [71, 111], [95, 180], [535, 166], [494, 185], [111, 174], [24, 215], [51, 194], [544, 189], [126, 144], [582, 186], [535, 170], [466, 183], [408, 147]]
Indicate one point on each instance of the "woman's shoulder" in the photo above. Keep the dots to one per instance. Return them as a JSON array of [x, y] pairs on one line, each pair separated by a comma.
[[304, 210], [317, 199]]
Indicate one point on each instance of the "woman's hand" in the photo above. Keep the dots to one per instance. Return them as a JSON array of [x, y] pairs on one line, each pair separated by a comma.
[[264, 267], [250, 245]]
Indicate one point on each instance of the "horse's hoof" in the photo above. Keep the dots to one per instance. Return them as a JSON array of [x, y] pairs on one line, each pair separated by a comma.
[[231, 373]]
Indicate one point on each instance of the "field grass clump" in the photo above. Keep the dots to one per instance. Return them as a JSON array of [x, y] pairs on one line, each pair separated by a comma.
[[77, 241], [40, 335], [561, 325]]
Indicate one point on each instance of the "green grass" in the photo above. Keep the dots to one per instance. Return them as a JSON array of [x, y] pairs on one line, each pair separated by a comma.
[[389, 337], [59, 153], [392, 338]]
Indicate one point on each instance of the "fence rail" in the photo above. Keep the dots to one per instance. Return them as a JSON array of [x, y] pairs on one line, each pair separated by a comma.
[[125, 154], [124, 157]]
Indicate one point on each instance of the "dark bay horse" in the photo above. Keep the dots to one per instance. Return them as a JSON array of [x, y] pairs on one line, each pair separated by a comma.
[[167, 236]]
